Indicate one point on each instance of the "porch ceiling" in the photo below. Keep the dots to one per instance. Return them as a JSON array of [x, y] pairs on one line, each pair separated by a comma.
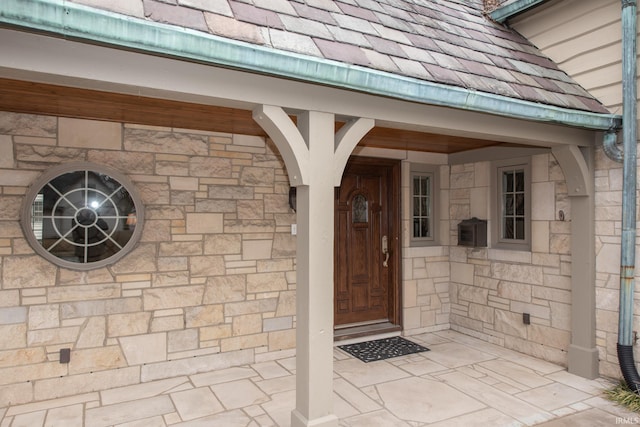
[[39, 98]]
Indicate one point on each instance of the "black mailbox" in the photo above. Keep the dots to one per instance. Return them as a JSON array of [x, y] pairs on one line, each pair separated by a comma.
[[472, 232]]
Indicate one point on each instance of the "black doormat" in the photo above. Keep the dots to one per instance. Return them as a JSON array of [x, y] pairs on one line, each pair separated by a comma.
[[385, 348]]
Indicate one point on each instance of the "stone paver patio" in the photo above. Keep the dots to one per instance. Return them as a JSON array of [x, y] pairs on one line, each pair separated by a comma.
[[462, 381]]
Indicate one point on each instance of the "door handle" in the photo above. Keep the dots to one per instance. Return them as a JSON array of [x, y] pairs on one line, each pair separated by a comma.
[[385, 251]]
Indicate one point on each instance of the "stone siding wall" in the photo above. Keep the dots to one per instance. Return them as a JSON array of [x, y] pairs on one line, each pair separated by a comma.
[[608, 184], [492, 288], [212, 282], [425, 270], [559, 30], [210, 285]]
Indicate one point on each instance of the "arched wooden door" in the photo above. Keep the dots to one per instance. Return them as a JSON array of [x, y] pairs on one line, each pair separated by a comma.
[[367, 245]]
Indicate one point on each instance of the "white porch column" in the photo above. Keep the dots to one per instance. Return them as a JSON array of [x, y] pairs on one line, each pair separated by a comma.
[[315, 159], [577, 166], [314, 320]]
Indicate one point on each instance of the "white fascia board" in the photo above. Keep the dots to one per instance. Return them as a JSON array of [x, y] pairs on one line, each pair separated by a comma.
[[35, 57]]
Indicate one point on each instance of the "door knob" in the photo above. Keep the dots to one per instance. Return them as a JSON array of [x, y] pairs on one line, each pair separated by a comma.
[[385, 251]]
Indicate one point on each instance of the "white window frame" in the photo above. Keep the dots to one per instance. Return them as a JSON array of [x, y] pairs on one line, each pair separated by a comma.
[[432, 172], [497, 234]]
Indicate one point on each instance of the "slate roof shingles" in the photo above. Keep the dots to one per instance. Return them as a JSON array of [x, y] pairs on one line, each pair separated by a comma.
[[341, 52], [414, 68], [313, 13], [358, 12], [450, 42], [349, 37], [396, 23], [304, 26], [254, 15], [354, 23], [371, 5], [385, 46], [293, 42], [171, 14], [278, 6], [445, 76], [383, 62], [421, 42], [391, 34], [328, 5], [417, 54]]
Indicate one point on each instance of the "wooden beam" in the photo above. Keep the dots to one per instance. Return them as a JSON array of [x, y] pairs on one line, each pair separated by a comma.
[[39, 98]]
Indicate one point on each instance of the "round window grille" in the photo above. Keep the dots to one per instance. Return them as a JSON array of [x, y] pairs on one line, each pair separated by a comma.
[[82, 216]]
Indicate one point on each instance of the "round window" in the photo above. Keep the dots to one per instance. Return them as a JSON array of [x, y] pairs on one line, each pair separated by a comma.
[[82, 216]]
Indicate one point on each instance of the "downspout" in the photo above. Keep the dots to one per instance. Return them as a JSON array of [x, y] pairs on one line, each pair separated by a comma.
[[628, 237]]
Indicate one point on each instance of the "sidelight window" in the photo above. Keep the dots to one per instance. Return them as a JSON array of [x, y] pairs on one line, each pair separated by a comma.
[[423, 205], [513, 213]]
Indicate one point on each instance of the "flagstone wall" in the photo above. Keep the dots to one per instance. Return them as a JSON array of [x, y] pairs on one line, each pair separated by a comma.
[[492, 288], [211, 284], [425, 270], [584, 38], [608, 184]]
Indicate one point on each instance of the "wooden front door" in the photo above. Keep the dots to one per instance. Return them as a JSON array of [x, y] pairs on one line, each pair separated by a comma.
[[366, 244]]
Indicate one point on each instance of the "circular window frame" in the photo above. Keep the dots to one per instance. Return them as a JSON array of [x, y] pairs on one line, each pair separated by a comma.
[[26, 214]]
